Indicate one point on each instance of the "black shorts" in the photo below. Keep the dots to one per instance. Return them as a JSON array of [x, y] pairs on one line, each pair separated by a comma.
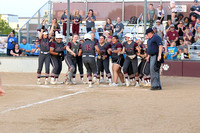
[[119, 61]]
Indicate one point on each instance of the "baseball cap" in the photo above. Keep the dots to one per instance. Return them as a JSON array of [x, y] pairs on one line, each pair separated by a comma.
[[149, 30], [157, 21], [93, 28], [171, 25], [154, 28]]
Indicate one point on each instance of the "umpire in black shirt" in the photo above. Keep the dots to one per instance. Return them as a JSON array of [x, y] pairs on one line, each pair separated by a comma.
[[154, 51]]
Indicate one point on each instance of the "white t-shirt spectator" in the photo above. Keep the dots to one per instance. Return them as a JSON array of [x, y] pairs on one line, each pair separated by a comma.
[[159, 12]]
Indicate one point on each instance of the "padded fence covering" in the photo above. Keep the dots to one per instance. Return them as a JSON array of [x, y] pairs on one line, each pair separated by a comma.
[[191, 68], [172, 68]]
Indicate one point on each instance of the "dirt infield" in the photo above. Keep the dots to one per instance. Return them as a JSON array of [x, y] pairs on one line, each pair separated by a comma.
[[31, 108]]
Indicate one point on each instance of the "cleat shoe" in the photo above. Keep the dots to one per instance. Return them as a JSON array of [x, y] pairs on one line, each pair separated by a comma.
[[46, 82], [90, 84], [53, 82], [137, 84], [115, 85], [96, 82], [148, 84], [127, 82], [69, 83], [39, 83], [123, 84], [101, 80]]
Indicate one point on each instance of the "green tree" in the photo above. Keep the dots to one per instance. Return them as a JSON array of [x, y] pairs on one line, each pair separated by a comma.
[[4, 27]]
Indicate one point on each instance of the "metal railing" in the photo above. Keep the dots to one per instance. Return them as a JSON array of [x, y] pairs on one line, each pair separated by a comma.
[[135, 29], [29, 29], [194, 51]]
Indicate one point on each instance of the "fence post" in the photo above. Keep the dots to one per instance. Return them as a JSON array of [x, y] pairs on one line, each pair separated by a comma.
[[27, 34], [38, 17], [123, 10], [86, 7], [145, 16], [50, 4], [68, 19]]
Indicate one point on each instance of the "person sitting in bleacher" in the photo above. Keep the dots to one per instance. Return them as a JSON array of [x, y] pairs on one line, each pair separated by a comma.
[[35, 50], [25, 47], [16, 51], [197, 39]]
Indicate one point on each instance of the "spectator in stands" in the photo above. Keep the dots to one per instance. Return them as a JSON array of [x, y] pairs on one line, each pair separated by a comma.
[[186, 21], [197, 23], [151, 15], [187, 35], [181, 29], [39, 27], [160, 13], [160, 29], [186, 54], [35, 50], [76, 19], [191, 28], [167, 27], [182, 45], [172, 8], [119, 28], [56, 26], [172, 51], [108, 36], [93, 30], [64, 22], [172, 35], [193, 20], [25, 47], [197, 39], [11, 41], [90, 20], [16, 51], [108, 26], [195, 10], [180, 54], [93, 38], [176, 21]]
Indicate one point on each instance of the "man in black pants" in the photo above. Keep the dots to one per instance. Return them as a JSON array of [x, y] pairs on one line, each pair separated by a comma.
[[87, 50], [57, 56], [154, 51]]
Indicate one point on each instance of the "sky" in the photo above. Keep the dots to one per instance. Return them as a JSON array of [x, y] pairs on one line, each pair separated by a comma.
[[22, 8]]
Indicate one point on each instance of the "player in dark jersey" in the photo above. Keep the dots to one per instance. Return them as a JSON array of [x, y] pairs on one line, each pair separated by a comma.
[[44, 56], [57, 55], [103, 58], [117, 60], [87, 50], [71, 58], [144, 66], [130, 48]]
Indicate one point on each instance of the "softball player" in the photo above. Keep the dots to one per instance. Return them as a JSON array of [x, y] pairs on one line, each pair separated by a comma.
[[103, 59], [87, 50], [71, 57], [129, 47], [117, 60], [57, 55], [144, 66], [44, 56]]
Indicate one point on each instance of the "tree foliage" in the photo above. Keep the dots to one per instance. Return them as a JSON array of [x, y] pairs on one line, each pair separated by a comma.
[[4, 27]]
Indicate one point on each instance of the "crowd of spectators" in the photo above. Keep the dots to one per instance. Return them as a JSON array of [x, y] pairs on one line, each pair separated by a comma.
[[180, 31]]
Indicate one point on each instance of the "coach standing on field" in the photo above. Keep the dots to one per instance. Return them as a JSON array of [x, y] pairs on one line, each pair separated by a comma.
[[154, 51]]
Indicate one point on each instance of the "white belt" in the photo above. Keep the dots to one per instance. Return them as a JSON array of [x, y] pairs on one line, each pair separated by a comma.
[[44, 52], [131, 56], [88, 56]]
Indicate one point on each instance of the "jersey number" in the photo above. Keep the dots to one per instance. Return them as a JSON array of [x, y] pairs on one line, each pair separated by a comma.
[[87, 47]]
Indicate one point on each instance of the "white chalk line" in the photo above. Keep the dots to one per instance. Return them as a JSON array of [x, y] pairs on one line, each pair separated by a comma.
[[41, 102]]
